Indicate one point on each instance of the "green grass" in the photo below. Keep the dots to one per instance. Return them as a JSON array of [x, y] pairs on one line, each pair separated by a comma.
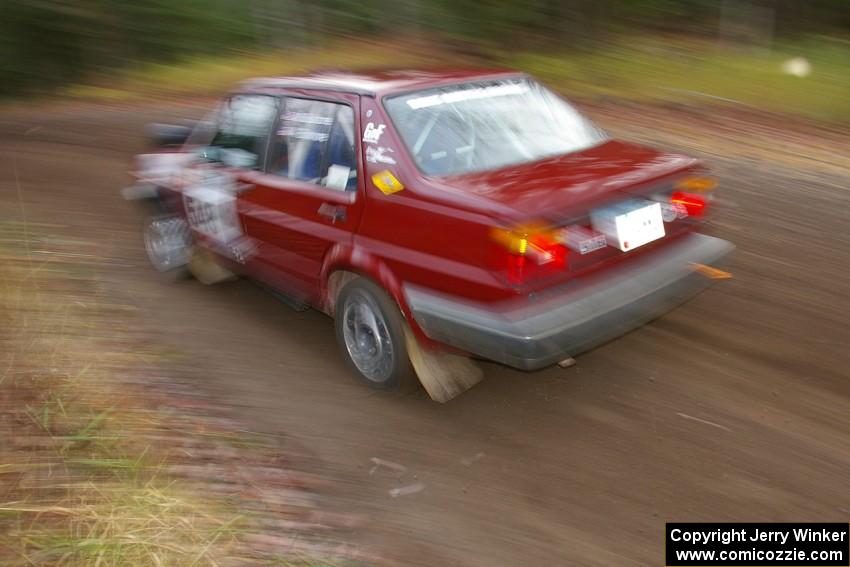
[[644, 69], [698, 72]]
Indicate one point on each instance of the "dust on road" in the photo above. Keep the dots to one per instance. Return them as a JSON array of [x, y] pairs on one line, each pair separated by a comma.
[[735, 407]]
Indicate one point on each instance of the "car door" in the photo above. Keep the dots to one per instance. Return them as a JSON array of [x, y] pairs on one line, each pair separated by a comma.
[[225, 160], [309, 196]]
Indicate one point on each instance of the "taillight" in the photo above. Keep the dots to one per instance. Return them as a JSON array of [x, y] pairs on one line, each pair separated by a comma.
[[696, 184], [693, 205], [690, 196], [527, 254]]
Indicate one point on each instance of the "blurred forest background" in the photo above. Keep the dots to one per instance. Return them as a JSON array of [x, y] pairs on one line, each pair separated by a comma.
[[727, 48]]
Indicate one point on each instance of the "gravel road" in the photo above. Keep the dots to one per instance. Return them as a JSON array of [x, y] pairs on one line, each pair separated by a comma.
[[735, 407]]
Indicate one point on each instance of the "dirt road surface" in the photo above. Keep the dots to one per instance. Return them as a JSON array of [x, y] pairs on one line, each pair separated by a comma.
[[735, 407]]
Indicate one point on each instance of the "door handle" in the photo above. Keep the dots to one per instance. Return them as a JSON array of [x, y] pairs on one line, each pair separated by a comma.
[[332, 212]]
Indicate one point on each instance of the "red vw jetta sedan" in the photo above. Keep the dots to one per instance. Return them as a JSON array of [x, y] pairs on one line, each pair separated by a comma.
[[458, 213]]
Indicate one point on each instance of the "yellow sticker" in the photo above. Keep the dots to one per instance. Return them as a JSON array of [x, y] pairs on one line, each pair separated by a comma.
[[387, 182], [709, 272]]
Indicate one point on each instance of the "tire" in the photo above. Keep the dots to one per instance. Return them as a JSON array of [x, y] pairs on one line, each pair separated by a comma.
[[364, 311], [168, 244]]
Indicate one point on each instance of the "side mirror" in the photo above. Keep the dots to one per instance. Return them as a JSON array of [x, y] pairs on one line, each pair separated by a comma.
[[235, 157], [168, 135]]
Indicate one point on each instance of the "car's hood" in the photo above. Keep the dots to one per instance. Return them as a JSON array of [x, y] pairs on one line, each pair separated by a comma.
[[577, 180], [161, 167]]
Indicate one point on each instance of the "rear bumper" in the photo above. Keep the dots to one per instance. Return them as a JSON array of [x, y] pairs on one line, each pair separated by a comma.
[[540, 331]]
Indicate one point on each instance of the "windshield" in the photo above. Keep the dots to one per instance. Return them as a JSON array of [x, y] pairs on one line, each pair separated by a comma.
[[488, 125]]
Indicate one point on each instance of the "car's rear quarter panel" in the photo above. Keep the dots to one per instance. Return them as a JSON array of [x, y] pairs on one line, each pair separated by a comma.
[[418, 236]]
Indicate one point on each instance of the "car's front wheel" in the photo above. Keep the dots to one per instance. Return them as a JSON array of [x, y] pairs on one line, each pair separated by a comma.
[[168, 243], [370, 333]]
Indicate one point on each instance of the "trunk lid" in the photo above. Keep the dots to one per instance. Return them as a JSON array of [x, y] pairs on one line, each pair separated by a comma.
[[550, 203], [572, 184]]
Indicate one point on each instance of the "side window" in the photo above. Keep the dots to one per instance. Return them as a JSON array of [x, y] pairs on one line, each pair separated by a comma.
[[204, 130], [244, 125], [315, 143]]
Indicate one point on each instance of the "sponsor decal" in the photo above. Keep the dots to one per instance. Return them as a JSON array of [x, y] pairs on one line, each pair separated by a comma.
[[505, 89], [379, 155], [372, 134], [307, 118], [387, 183], [582, 240]]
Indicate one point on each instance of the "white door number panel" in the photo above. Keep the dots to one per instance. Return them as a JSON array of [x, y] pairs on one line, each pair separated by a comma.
[[211, 210]]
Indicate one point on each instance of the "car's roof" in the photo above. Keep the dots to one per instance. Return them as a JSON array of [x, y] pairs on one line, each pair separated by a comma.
[[377, 82]]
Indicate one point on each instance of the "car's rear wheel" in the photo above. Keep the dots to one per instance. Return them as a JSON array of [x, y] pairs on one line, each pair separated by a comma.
[[168, 243], [370, 333]]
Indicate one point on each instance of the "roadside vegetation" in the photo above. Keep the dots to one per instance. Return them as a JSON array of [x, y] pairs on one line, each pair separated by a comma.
[[642, 69], [80, 484], [680, 51], [692, 72], [103, 459], [215, 74]]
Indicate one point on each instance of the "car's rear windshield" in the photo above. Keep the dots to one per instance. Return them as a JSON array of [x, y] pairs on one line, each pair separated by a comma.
[[488, 125]]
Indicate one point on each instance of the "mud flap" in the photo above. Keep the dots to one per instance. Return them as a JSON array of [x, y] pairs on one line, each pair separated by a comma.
[[444, 376], [206, 270]]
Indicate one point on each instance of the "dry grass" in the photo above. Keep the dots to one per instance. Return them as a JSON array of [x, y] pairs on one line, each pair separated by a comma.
[[81, 481], [80, 485]]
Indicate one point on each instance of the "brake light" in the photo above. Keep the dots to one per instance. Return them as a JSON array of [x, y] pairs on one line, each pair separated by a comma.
[[694, 205], [526, 254]]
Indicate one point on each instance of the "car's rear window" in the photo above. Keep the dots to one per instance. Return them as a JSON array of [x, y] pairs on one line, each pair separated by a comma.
[[488, 125]]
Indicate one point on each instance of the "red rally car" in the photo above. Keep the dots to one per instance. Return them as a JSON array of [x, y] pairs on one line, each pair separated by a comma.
[[471, 213]]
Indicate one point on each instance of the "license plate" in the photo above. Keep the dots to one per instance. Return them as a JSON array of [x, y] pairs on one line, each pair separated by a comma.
[[629, 224]]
